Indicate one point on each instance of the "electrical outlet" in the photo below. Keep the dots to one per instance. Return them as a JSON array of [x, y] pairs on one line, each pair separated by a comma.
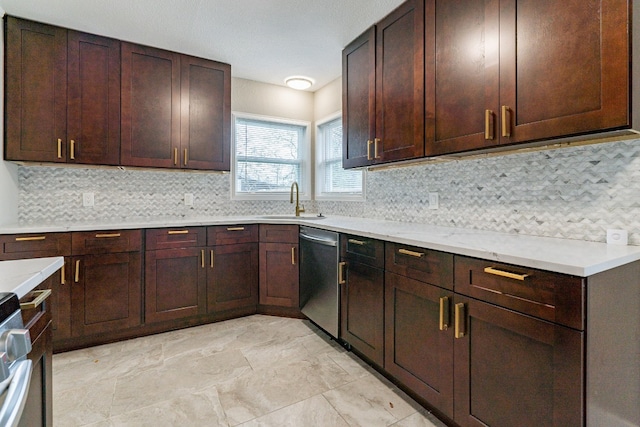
[[434, 201], [617, 237], [188, 199], [87, 199]]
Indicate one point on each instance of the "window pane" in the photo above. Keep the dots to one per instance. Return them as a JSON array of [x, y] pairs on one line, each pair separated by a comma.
[[267, 155], [339, 180]]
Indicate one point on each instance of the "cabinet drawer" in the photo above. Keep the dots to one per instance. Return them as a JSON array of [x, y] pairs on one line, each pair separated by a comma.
[[19, 246], [102, 242], [232, 234], [179, 237], [421, 264], [362, 249], [554, 297], [275, 233]]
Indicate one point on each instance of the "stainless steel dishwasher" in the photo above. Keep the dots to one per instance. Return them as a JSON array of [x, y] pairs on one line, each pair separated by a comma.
[[319, 289]]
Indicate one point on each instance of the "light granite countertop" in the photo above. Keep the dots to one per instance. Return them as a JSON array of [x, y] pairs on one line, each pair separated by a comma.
[[574, 257], [22, 276]]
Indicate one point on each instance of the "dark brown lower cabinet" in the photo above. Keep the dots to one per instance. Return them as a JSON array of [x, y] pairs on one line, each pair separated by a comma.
[[279, 281], [175, 284], [515, 370], [418, 339], [106, 293], [362, 310], [38, 409], [232, 279]]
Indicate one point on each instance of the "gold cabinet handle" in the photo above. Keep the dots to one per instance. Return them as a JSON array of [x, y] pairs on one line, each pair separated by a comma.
[[460, 329], [369, 142], [72, 150], [375, 148], [211, 258], [488, 124], [293, 256], [63, 279], [107, 235], [186, 157], [341, 279], [507, 274], [202, 262], [30, 239], [41, 296], [411, 253], [77, 278], [235, 228], [357, 242], [59, 148], [178, 232], [506, 121], [175, 156], [444, 313]]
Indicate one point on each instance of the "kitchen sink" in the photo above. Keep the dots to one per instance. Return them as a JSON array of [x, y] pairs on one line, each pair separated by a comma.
[[305, 217]]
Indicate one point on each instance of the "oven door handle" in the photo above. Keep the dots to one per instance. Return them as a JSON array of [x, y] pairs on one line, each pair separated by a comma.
[[319, 240], [17, 393]]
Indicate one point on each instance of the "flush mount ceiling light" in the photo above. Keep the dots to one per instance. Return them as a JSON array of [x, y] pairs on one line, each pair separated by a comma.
[[299, 82]]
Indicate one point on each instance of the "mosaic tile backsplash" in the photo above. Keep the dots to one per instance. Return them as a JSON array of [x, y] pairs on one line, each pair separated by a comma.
[[575, 193]]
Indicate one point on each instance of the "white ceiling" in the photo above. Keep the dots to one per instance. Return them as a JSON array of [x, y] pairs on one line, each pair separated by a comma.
[[263, 40]]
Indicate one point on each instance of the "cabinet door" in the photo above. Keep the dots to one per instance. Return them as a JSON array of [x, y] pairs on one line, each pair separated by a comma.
[[60, 301], [400, 84], [106, 293], [93, 121], [175, 284], [36, 91], [418, 341], [511, 369], [150, 97], [358, 100], [362, 310], [279, 282], [564, 67], [232, 279], [206, 114], [467, 75]]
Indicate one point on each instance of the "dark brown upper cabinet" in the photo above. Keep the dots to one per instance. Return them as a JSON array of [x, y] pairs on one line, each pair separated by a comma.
[[383, 90], [176, 110], [62, 95], [520, 71]]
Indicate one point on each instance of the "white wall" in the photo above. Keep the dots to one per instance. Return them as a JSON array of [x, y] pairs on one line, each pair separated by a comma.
[[248, 96], [328, 100], [8, 171]]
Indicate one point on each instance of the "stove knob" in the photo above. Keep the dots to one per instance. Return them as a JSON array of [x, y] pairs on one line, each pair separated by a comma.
[[4, 366], [16, 343]]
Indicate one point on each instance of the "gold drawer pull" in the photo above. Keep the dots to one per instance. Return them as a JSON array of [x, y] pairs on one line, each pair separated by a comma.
[[375, 148], [30, 239], [411, 253], [460, 329], [507, 274], [212, 258], [202, 262], [77, 278], [175, 157], [488, 124], [293, 256], [506, 121], [186, 157], [444, 313], [341, 279], [107, 235], [41, 296], [72, 155], [63, 280], [369, 142], [59, 148], [178, 232], [235, 228], [357, 242]]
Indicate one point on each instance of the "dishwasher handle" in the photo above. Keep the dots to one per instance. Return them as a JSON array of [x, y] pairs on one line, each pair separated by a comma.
[[326, 242]]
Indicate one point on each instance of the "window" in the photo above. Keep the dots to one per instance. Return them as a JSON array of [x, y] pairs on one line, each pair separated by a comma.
[[269, 155], [332, 181]]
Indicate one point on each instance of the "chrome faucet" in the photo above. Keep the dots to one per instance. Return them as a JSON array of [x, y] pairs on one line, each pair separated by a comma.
[[298, 207]]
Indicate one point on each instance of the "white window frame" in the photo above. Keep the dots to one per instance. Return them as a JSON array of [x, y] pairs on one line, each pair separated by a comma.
[[320, 194], [305, 155]]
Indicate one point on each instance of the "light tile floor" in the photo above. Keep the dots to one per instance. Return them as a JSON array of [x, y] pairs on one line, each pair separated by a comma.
[[253, 371]]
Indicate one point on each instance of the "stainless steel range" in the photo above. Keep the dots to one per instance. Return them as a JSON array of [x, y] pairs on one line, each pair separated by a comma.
[[15, 369]]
